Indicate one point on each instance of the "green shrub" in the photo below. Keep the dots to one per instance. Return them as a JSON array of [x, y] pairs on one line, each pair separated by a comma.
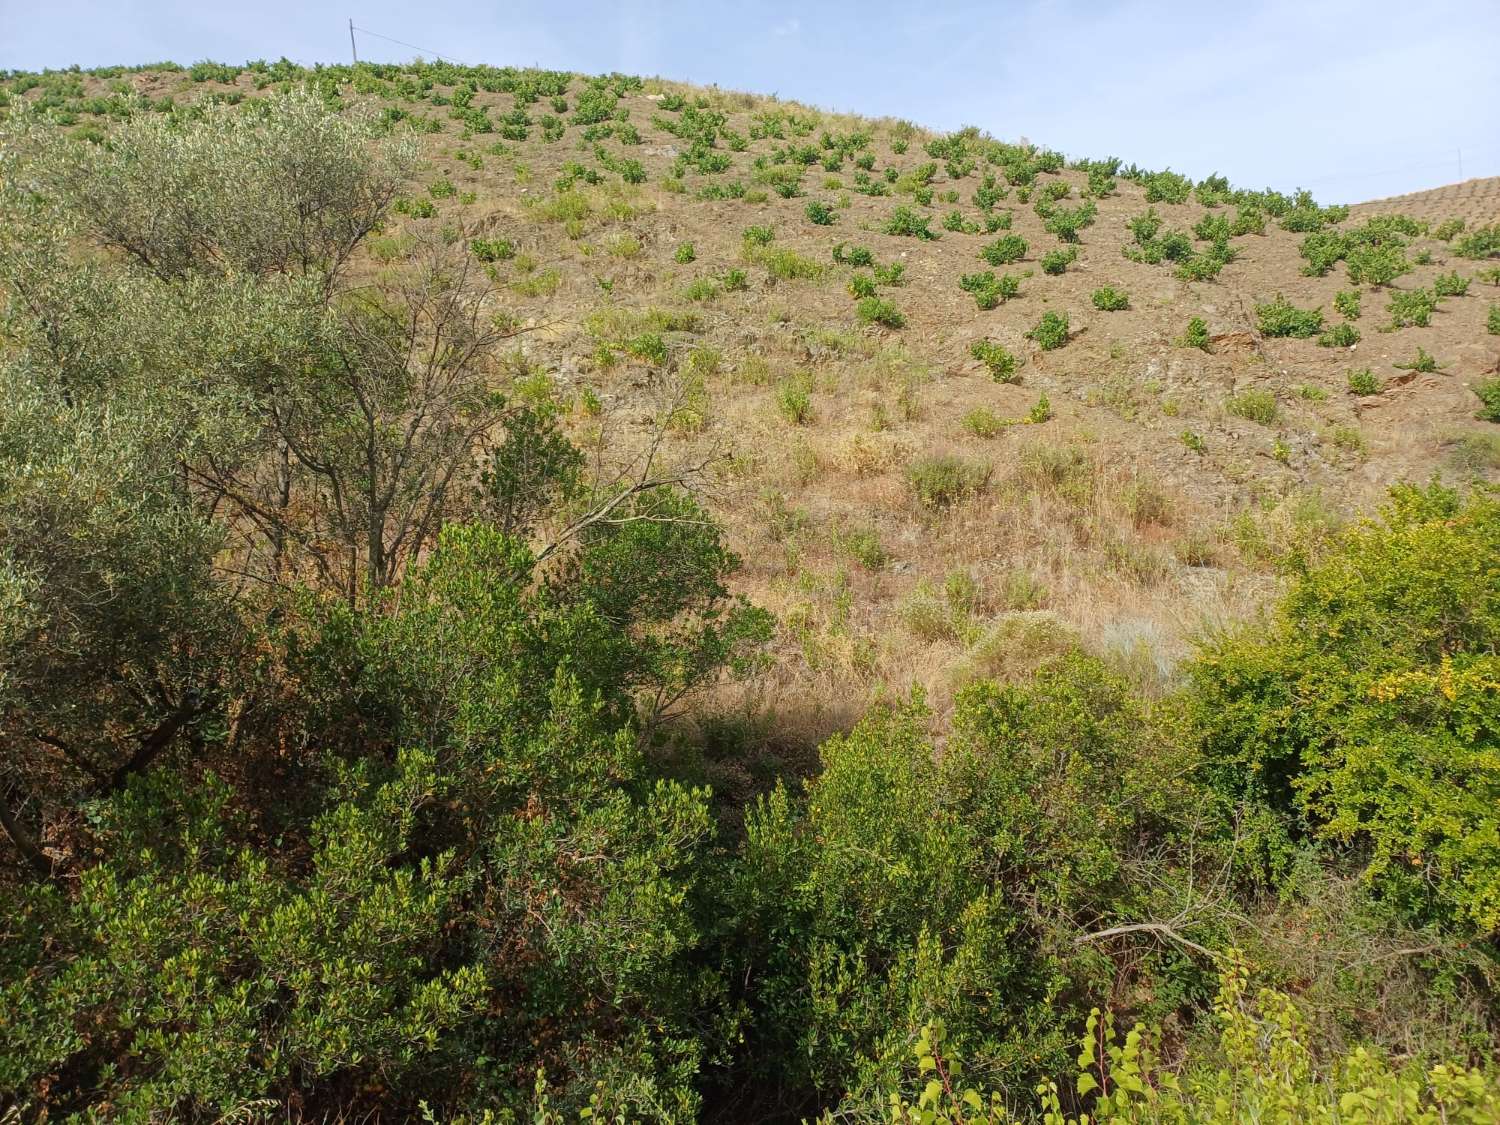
[[1066, 223], [1481, 242], [1109, 299], [861, 285], [1422, 362], [1364, 382], [983, 422], [1051, 332], [1346, 301], [1196, 335], [1057, 261], [685, 253], [1003, 251], [906, 221], [820, 213], [1376, 264], [1449, 285], [1393, 636], [1412, 308], [1001, 364], [853, 256], [492, 249], [794, 400], [876, 310], [988, 290], [941, 481], [1281, 318], [759, 236], [1254, 405], [954, 221], [1342, 335], [1167, 187], [1489, 400], [1445, 230], [1263, 1065], [1492, 321], [1041, 411], [1193, 441]]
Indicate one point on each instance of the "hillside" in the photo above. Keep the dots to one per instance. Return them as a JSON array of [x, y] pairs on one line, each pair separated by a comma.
[[1145, 507], [1477, 202], [527, 596]]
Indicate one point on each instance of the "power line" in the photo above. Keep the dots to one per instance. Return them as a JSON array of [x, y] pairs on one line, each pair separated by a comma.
[[402, 43]]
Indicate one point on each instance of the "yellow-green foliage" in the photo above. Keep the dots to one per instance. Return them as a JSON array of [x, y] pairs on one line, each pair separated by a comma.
[[1371, 710], [1261, 1070]]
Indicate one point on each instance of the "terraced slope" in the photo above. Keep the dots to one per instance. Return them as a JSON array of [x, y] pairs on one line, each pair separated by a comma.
[[1477, 202], [686, 266]]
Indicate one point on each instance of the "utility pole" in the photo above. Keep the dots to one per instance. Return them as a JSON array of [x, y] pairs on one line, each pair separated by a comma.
[[353, 50]]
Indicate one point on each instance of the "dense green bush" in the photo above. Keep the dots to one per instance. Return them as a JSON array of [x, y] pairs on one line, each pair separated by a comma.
[[906, 221], [1366, 714], [1281, 318], [1412, 307], [1109, 299], [1004, 250], [877, 310], [1051, 331], [1000, 362]]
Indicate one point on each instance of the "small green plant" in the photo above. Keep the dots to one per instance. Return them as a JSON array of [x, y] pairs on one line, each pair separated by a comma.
[[853, 256], [954, 221], [1193, 441], [1001, 364], [1412, 308], [442, 189], [944, 480], [1041, 411], [863, 545], [820, 213], [794, 400], [1450, 285], [1492, 322], [492, 249], [1364, 382], [983, 422], [648, 346], [1343, 335], [1312, 393], [1058, 261], [1004, 250], [735, 281], [1196, 335], [906, 221], [1346, 301], [1051, 332], [875, 310], [1109, 299], [1280, 318], [1422, 362], [1254, 405], [1489, 400], [685, 253], [759, 236], [988, 290]]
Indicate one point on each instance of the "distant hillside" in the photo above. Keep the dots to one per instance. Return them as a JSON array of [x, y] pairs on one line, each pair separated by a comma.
[[1477, 202], [857, 313]]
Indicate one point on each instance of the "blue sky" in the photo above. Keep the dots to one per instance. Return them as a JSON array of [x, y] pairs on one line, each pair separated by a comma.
[[1354, 99]]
